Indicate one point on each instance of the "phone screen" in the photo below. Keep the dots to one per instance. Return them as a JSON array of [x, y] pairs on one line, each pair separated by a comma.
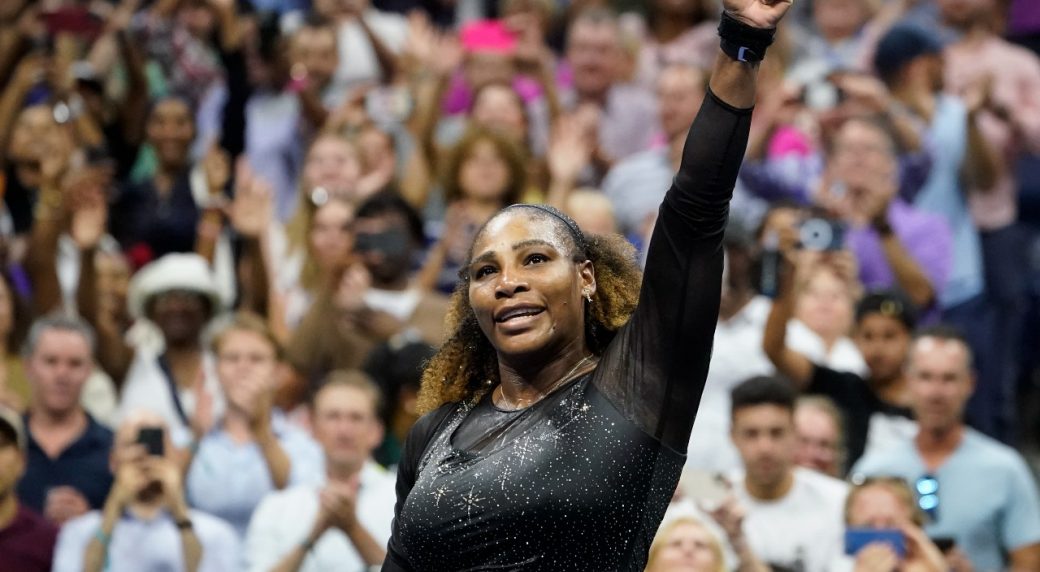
[[152, 439], [857, 539]]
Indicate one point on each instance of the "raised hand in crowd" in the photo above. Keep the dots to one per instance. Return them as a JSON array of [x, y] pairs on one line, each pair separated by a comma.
[[250, 212], [253, 398], [89, 211], [203, 418], [570, 151], [729, 515], [216, 164]]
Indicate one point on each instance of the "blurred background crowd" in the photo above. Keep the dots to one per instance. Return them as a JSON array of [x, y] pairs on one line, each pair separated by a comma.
[[230, 229]]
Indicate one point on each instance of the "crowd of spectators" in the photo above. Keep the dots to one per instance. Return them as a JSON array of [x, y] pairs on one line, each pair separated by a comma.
[[230, 230]]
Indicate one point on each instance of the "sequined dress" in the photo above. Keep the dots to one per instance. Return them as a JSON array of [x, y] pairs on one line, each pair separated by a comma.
[[581, 479]]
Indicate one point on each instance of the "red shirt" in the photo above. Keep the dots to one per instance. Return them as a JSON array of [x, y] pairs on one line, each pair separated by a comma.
[[27, 543]]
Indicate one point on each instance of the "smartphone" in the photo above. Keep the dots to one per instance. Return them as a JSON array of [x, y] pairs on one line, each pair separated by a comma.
[[857, 539], [704, 487], [944, 543], [152, 439]]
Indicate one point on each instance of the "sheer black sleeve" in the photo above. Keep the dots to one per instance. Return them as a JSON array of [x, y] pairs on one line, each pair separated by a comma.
[[654, 370], [419, 436]]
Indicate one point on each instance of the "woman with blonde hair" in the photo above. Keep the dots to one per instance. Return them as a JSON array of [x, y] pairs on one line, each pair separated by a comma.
[[685, 545]]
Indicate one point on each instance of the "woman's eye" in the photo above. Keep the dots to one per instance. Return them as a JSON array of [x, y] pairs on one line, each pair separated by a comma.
[[537, 258], [483, 271]]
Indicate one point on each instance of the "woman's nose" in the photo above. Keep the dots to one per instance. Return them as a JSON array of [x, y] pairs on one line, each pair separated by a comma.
[[510, 284]]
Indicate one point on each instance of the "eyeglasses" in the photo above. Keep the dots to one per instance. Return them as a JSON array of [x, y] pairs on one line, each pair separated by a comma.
[[927, 488]]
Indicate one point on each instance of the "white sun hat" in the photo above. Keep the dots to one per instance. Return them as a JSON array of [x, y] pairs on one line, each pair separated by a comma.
[[188, 272]]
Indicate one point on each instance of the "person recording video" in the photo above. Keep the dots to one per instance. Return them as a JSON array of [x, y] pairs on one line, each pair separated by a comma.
[[145, 523]]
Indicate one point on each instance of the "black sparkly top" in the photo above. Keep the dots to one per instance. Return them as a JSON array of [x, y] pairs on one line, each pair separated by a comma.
[[581, 479]]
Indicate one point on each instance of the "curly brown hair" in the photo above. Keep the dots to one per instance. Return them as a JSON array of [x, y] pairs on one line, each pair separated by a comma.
[[466, 366], [510, 152]]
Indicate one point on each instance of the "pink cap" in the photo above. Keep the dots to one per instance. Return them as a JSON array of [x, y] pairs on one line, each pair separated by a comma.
[[487, 36]]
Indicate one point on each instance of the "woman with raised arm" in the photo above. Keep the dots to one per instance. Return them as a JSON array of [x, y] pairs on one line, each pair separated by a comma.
[[564, 399]]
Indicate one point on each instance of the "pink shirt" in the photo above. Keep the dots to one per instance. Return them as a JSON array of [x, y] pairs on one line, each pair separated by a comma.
[[1016, 86]]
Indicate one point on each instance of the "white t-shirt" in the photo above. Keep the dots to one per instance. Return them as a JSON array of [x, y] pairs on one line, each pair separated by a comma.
[[285, 518], [803, 530], [736, 356], [147, 388], [148, 544], [843, 356]]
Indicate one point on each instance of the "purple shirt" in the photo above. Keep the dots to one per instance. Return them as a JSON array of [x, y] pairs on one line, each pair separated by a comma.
[[27, 542], [925, 236]]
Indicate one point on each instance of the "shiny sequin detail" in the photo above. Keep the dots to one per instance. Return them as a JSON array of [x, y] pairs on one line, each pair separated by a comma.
[[578, 488]]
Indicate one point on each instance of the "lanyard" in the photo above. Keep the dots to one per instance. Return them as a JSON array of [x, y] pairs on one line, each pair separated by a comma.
[[171, 384]]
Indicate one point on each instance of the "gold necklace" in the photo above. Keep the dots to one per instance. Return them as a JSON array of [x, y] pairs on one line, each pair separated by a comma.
[[524, 403]]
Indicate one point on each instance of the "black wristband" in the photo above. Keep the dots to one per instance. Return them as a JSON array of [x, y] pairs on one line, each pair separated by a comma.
[[184, 524], [742, 42]]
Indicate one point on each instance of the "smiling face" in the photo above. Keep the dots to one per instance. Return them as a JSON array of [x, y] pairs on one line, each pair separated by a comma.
[[525, 287], [171, 129]]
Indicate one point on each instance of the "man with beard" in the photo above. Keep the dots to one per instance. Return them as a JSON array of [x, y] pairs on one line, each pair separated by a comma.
[[794, 515], [145, 523]]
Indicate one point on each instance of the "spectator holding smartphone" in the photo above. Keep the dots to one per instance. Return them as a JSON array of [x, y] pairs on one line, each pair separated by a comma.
[[145, 523], [888, 504], [975, 489]]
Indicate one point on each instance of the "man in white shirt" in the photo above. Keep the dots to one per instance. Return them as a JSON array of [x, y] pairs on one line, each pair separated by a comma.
[[794, 515], [145, 523], [345, 524]]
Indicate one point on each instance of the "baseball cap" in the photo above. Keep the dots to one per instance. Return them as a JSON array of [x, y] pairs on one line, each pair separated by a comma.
[[902, 44], [890, 303]]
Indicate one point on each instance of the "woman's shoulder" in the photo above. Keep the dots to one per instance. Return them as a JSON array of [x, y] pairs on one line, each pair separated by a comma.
[[427, 425]]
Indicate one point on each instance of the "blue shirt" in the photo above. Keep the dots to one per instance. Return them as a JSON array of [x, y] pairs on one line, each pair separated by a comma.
[[942, 195], [988, 501], [83, 465], [229, 479]]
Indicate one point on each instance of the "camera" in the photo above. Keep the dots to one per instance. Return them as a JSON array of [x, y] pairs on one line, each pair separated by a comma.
[[821, 95], [820, 234]]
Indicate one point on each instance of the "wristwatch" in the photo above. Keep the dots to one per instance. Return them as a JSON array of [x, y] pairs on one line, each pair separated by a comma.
[[184, 524]]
